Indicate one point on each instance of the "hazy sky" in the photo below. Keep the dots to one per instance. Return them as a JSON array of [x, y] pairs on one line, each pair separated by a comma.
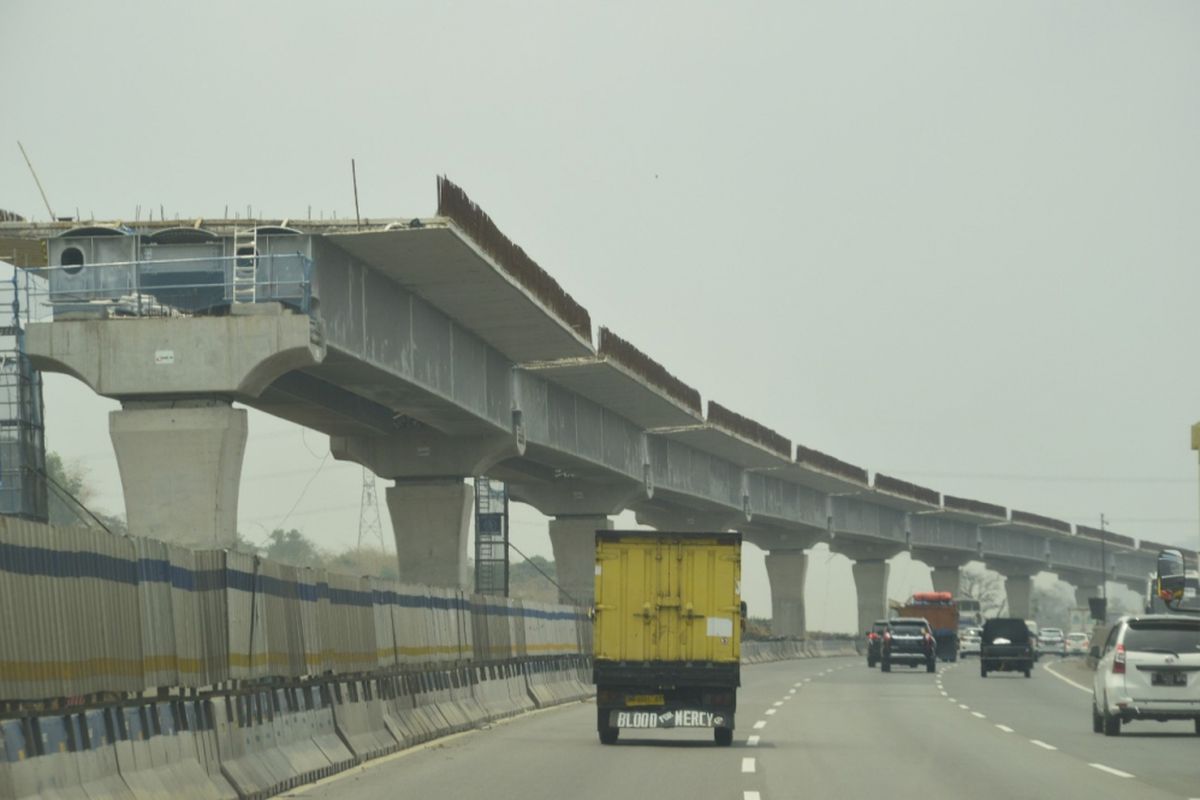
[[953, 242]]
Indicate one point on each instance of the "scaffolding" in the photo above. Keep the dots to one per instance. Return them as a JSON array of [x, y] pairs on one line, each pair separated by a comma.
[[491, 537], [22, 427]]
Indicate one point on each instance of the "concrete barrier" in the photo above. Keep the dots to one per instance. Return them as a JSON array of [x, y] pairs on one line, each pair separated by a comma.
[[38, 760], [358, 717], [157, 756]]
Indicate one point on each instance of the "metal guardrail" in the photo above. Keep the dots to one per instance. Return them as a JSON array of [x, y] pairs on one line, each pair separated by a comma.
[[167, 287]]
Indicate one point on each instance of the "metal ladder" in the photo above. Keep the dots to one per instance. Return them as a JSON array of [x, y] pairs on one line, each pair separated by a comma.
[[245, 266]]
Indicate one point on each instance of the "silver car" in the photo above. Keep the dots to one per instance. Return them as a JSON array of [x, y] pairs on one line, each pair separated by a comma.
[[1052, 642], [968, 642], [1149, 669]]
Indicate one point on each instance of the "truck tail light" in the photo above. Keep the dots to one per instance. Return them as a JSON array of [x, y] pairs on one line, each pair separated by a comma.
[[1119, 661]]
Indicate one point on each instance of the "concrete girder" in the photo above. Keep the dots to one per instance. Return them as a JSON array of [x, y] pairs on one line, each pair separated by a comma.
[[850, 515], [786, 503], [236, 356]]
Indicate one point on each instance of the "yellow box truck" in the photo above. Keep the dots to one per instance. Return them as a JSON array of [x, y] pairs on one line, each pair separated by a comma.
[[668, 630]]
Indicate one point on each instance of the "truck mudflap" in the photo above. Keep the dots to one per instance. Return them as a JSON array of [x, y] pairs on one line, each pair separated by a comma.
[[677, 718]]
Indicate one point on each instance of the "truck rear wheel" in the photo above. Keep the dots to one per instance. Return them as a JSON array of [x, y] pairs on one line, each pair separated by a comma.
[[723, 736], [608, 734]]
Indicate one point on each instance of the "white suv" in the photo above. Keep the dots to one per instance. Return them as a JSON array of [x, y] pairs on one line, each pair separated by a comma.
[[1149, 668]]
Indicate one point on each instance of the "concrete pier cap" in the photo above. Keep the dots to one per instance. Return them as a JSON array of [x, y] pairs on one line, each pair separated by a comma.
[[179, 442], [870, 570], [578, 507], [430, 503]]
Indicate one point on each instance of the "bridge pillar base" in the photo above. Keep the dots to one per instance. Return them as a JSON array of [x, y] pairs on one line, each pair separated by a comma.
[[431, 521], [786, 570], [870, 583], [181, 460], [573, 539]]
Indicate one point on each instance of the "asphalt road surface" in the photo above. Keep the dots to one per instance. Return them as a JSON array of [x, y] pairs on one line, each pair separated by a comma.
[[816, 728]]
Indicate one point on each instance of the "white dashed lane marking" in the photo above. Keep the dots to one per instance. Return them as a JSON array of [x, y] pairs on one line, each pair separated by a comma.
[[977, 714], [1111, 771], [747, 765], [964, 706], [778, 703], [752, 741], [750, 796], [770, 711], [758, 726], [1005, 728], [1044, 746]]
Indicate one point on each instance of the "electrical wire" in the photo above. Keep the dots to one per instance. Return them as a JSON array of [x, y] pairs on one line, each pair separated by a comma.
[[304, 491], [63, 491], [564, 592]]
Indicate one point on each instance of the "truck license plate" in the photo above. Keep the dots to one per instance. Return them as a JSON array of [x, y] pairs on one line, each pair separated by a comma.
[[1168, 678], [644, 700], [683, 718]]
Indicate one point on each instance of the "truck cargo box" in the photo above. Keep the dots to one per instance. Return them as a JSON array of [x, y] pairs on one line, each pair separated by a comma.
[[668, 629]]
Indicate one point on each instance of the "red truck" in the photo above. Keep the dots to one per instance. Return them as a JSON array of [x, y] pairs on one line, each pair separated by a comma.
[[941, 612]]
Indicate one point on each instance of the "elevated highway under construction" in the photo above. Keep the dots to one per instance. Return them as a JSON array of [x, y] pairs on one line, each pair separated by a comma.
[[433, 349]]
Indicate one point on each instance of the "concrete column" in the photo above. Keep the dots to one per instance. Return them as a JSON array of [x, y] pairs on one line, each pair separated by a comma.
[[431, 520], [573, 539], [870, 582], [786, 570], [181, 466], [945, 579], [1019, 588]]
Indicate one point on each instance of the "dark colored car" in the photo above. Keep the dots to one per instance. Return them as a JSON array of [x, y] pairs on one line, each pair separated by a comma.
[[1006, 646], [907, 641], [875, 641]]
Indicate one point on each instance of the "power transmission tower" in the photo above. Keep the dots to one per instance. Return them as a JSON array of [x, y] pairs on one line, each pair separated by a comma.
[[368, 513]]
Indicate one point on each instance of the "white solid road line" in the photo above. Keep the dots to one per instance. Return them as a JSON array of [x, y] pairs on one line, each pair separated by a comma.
[[1044, 746], [1004, 728], [1065, 679], [752, 741], [1111, 771], [758, 726], [747, 765], [750, 796], [977, 714]]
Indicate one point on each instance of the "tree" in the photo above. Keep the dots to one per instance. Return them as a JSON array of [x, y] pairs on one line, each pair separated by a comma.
[[979, 583], [293, 547], [69, 494]]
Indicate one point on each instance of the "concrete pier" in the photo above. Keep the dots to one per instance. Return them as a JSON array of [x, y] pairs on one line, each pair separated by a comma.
[[786, 571], [573, 539], [181, 466], [431, 520]]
